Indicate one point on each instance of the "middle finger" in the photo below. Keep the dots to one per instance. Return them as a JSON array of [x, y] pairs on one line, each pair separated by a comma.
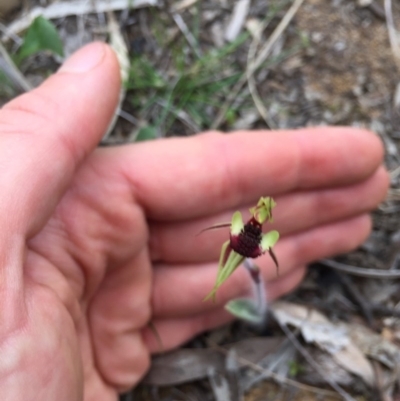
[[295, 212]]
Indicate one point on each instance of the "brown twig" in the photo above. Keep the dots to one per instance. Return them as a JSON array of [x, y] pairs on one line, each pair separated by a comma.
[[360, 271], [383, 310], [314, 364], [262, 56], [377, 10], [364, 305], [186, 33], [251, 82], [393, 39], [278, 378], [13, 72]]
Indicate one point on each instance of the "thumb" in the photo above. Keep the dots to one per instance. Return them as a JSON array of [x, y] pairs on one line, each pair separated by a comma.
[[46, 133]]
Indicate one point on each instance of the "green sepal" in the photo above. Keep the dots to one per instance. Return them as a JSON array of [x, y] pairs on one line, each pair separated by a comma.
[[225, 270], [223, 257], [233, 262], [269, 239]]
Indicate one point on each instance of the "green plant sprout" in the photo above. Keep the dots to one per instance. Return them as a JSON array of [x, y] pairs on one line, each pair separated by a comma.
[[246, 242], [41, 35]]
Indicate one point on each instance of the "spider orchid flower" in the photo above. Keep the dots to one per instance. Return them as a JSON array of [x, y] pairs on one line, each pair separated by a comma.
[[246, 241]]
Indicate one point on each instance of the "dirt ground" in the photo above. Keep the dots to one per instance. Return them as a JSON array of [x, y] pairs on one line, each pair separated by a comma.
[[345, 75]]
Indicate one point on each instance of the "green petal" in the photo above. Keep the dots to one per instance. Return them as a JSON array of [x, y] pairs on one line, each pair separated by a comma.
[[263, 211], [237, 223], [269, 240]]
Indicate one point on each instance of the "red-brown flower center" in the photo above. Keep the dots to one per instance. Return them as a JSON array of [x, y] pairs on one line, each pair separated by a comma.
[[248, 242]]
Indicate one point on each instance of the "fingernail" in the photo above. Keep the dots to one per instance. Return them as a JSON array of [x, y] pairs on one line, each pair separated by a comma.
[[85, 59]]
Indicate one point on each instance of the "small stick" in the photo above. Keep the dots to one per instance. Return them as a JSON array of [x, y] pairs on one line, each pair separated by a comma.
[[277, 377], [314, 364], [360, 271], [186, 33], [14, 73], [262, 56], [393, 39], [365, 307]]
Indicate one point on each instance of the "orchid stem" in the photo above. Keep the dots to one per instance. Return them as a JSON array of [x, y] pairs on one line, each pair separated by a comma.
[[258, 282]]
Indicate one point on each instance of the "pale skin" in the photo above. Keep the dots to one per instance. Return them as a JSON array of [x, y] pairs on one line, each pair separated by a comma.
[[96, 243]]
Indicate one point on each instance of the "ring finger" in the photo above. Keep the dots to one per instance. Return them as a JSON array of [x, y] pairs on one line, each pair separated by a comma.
[[179, 290]]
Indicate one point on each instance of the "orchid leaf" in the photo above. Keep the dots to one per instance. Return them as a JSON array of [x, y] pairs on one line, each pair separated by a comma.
[[245, 309]]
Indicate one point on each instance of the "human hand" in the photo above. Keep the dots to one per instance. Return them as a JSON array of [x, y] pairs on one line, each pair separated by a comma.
[[96, 243]]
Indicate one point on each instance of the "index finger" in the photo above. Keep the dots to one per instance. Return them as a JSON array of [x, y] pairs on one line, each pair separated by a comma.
[[182, 178]]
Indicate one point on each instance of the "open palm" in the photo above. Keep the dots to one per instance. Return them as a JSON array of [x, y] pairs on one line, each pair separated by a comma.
[[95, 244]]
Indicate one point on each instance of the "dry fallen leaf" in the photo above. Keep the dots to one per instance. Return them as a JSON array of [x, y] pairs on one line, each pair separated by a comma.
[[185, 365], [333, 338]]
